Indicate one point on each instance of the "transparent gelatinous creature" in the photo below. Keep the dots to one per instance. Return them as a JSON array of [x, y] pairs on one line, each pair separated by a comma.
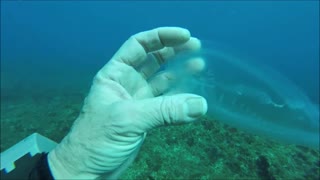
[[250, 97]]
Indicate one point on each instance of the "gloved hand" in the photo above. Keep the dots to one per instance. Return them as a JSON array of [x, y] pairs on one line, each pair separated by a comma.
[[123, 104]]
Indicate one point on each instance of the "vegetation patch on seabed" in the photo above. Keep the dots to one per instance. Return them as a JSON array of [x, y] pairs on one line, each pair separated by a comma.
[[51, 114], [209, 149], [206, 149]]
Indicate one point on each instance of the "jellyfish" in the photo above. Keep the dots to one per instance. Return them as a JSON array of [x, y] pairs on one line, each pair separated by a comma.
[[250, 96]]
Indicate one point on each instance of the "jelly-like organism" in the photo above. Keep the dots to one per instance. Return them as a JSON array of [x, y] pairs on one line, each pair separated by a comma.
[[251, 97]]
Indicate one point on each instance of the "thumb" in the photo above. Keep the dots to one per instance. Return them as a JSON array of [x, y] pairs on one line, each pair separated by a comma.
[[175, 109]]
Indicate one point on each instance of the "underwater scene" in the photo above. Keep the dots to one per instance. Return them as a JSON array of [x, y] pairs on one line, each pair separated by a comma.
[[259, 72]]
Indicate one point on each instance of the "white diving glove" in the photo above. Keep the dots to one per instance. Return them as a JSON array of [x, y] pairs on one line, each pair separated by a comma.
[[123, 104]]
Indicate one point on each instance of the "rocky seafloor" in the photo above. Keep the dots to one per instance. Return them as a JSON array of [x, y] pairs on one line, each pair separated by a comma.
[[206, 149]]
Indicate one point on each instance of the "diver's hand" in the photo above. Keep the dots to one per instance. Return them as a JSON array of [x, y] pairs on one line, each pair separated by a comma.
[[123, 104]]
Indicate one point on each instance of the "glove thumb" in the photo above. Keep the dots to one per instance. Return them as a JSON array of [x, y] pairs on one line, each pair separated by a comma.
[[170, 110]]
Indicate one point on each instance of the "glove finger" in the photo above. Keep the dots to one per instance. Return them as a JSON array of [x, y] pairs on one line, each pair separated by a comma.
[[134, 51], [169, 110], [156, 59], [168, 79], [162, 82]]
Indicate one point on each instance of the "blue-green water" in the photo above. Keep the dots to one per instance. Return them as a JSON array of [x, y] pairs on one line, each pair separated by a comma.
[[50, 52]]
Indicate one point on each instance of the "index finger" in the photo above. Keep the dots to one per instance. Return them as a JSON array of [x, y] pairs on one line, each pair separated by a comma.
[[134, 51]]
